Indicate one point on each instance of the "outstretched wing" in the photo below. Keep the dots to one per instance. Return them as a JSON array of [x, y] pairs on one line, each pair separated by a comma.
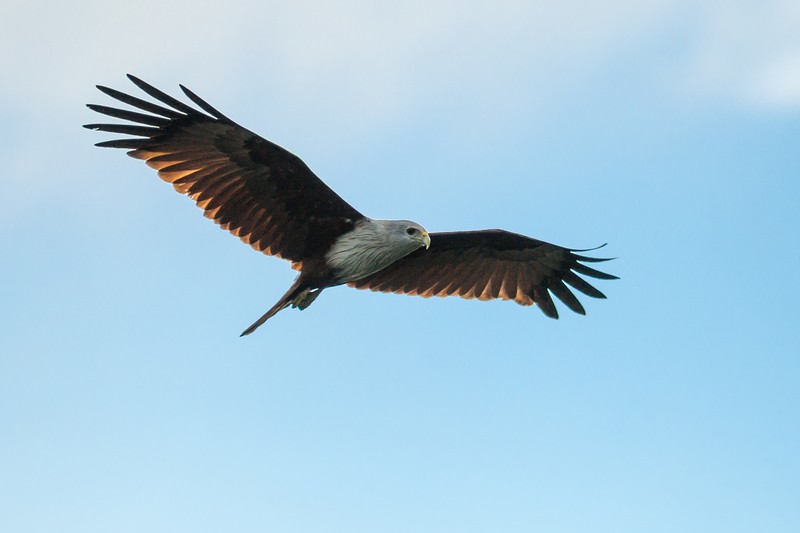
[[491, 264], [251, 187]]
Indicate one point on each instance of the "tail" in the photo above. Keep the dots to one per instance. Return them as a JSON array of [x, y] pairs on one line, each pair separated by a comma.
[[286, 300]]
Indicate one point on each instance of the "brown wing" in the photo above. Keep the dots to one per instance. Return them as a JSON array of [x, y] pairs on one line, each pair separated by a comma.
[[251, 187], [491, 264]]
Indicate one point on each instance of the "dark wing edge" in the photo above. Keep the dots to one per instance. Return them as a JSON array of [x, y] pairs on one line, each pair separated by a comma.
[[492, 264], [248, 185]]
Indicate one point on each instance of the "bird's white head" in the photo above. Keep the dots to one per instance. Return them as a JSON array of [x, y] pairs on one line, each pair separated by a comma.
[[373, 245], [407, 233]]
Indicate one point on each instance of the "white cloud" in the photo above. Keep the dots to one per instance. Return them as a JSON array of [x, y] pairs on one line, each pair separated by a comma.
[[353, 67], [359, 59], [779, 80], [350, 66], [367, 56], [748, 53]]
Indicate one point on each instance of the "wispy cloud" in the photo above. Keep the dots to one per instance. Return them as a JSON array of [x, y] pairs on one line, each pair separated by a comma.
[[747, 53], [381, 60], [363, 67]]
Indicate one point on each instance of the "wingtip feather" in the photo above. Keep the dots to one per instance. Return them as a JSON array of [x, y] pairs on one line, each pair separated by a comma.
[[205, 106]]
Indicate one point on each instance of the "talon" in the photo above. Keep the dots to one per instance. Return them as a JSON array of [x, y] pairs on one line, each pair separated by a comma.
[[305, 298]]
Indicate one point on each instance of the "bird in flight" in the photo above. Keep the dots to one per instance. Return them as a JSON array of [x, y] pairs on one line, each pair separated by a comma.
[[272, 201]]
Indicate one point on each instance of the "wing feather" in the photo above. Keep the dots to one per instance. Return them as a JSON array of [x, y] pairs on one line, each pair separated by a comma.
[[123, 114], [491, 289], [582, 285], [249, 186], [544, 301], [144, 105], [591, 272], [509, 288], [563, 293], [492, 264]]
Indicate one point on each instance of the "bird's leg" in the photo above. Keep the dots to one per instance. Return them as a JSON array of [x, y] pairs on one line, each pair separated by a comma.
[[305, 298]]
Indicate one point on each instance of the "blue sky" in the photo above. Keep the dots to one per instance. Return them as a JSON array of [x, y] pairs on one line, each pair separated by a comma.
[[669, 130]]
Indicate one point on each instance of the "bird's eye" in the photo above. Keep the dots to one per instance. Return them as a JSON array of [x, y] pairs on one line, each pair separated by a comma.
[[411, 231]]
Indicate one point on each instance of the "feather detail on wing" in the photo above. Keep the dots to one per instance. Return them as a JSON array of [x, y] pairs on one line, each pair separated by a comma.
[[491, 264], [251, 187]]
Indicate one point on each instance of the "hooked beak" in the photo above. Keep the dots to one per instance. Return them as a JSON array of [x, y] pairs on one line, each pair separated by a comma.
[[426, 240]]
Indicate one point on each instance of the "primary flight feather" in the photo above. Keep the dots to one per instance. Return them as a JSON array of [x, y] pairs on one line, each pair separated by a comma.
[[271, 200]]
